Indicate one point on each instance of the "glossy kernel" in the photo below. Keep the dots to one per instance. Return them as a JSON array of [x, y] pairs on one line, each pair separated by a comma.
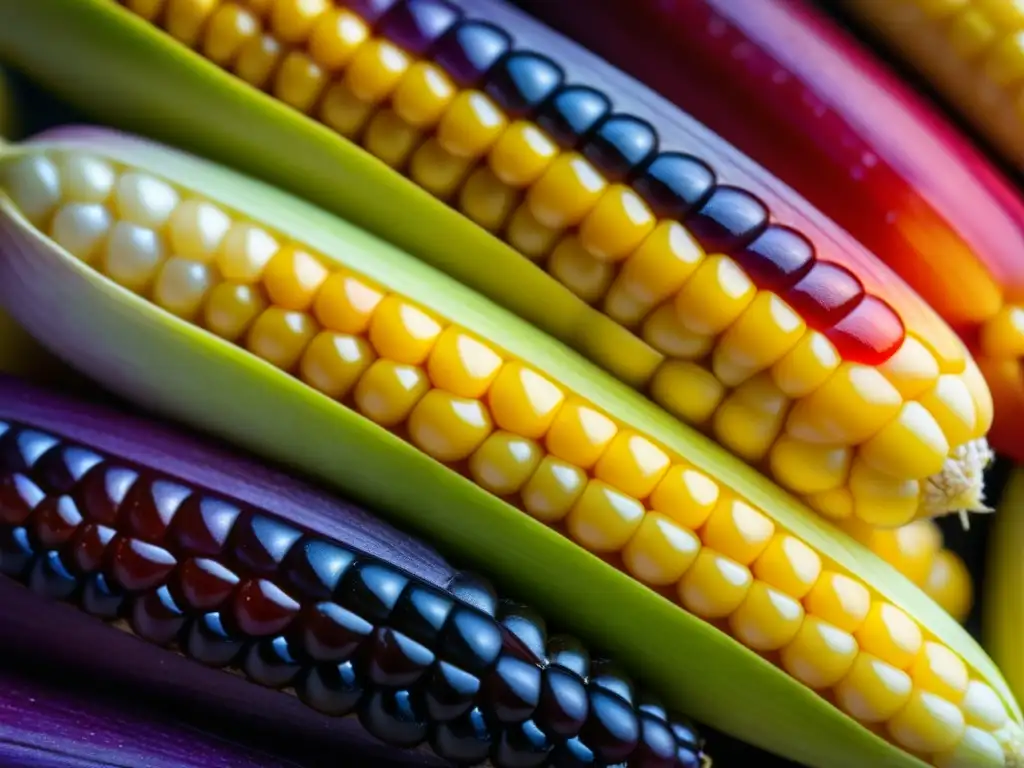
[[470, 125], [487, 200], [604, 519], [766, 331], [293, 277], [375, 71], [617, 224], [343, 111], [738, 531], [661, 264], [633, 464], [280, 336], [566, 192], [389, 138], [388, 391], [523, 401], [346, 303], [299, 81], [230, 28], [521, 154], [789, 565], [245, 252], [880, 499], [663, 331], [952, 406], [807, 366], [809, 468], [553, 489], [257, 59], [912, 369], [839, 600], [336, 37], [767, 619], [184, 19], [437, 170], [231, 309], [854, 404], [873, 691], [447, 427], [660, 550], [181, 286], [528, 236], [912, 445], [423, 95], [579, 434], [579, 270], [820, 654], [940, 671], [686, 495], [687, 390], [891, 635], [505, 462], [403, 332], [714, 297], [927, 724], [196, 229], [462, 364], [714, 586], [334, 362]]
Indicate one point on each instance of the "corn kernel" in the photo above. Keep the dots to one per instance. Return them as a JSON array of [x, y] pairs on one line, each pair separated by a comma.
[[767, 619], [661, 264], [375, 71], [293, 277], [714, 586], [714, 297], [144, 200], [447, 427], [566, 192], [686, 390], [603, 519], [184, 19], [807, 366], [579, 434], [836, 504], [334, 362], [181, 286], [390, 139], [553, 490], [854, 404], [437, 170], [523, 401], [461, 364], [293, 21], [229, 29], [423, 94], [633, 464], [911, 549], [976, 747], [82, 178], [809, 468], [280, 336], [911, 445], [891, 635], [912, 370], [880, 499], [388, 391], [81, 229], [299, 81], [767, 330], [470, 125], [342, 111], [486, 200], [686, 495], [577, 269], [949, 584], [663, 331], [521, 154], [337, 35], [617, 224], [660, 551], [788, 565], [403, 332], [196, 230], [257, 59], [504, 462], [950, 402], [839, 600], [231, 309], [873, 691], [35, 183], [750, 418], [940, 671], [927, 724], [528, 236], [133, 255], [623, 307], [346, 303], [982, 707], [820, 655], [737, 530], [244, 253]]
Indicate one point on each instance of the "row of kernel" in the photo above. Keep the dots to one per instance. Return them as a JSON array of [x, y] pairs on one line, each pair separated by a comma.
[[613, 219]]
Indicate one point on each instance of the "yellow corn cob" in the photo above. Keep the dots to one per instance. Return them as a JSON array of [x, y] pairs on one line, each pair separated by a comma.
[[882, 443], [480, 407]]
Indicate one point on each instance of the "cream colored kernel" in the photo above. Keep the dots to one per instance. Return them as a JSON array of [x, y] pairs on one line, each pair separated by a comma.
[[81, 229], [133, 255], [144, 200], [197, 229], [85, 178]]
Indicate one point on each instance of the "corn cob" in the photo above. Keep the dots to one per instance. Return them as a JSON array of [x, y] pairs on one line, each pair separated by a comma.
[[828, 373], [296, 335], [848, 134]]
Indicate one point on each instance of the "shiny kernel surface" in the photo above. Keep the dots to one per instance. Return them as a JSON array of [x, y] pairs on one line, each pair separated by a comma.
[[891, 635], [422, 95], [714, 586], [523, 401], [686, 495], [521, 154], [820, 654], [738, 531], [447, 427], [346, 303], [788, 565], [927, 724], [767, 619], [633, 464], [504, 462], [580, 434], [553, 490], [660, 551], [839, 600], [567, 191], [403, 332], [280, 336], [604, 519], [462, 364], [333, 362], [714, 297], [873, 691]]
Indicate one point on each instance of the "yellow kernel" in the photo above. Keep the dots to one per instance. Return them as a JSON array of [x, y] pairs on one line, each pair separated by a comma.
[[911, 549], [820, 655], [337, 35], [617, 224], [633, 464], [184, 19], [686, 390], [552, 490], [927, 724], [890, 634], [566, 192], [750, 418], [144, 200], [579, 434], [423, 94], [388, 391], [737, 530], [447, 427], [714, 296], [940, 671], [244, 253], [873, 691], [132, 256], [912, 370], [403, 332], [661, 264], [767, 330], [982, 707], [1004, 63], [437, 170], [504, 462], [231, 308], [293, 21], [666, 334], [950, 402], [767, 619], [714, 586], [257, 59], [882, 500], [854, 404], [686, 495], [528, 236], [603, 519], [1002, 335], [333, 363], [839, 600], [280, 336], [970, 33], [299, 81], [375, 70], [623, 307], [805, 467], [390, 139], [346, 303], [789, 565], [230, 28], [196, 230], [660, 551], [976, 747], [523, 401], [949, 584], [293, 277], [470, 125], [461, 364], [521, 154], [577, 269], [806, 366], [487, 200], [343, 112], [81, 229], [836, 504], [911, 445], [181, 286]]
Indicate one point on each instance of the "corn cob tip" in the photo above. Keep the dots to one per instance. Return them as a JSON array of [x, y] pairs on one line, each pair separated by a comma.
[[960, 485]]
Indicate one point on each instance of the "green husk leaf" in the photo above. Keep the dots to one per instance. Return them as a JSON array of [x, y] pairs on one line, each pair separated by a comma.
[[1004, 585], [147, 355]]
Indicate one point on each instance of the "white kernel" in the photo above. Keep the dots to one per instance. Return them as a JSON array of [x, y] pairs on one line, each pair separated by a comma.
[[33, 184], [133, 255], [81, 228], [244, 253], [182, 285], [197, 229], [87, 179], [144, 200]]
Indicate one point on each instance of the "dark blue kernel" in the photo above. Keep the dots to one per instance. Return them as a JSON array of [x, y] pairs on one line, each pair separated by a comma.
[[612, 731], [270, 662], [568, 652], [512, 690], [49, 577], [522, 746], [16, 551], [573, 754], [728, 220], [209, 642], [421, 613], [20, 449], [522, 81], [371, 590], [673, 184], [331, 689], [475, 590], [395, 660], [449, 692], [526, 625], [415, 25], [777, 259], [657, 747], [620, 145], [572, 113], [610, 676], [398, 718], [330, 633], [685, 733], [314, 568], [564, 706], [470, 640], [156, 617], [99, 598], [259, 544], [469, 50], [465, 741], [651, 705]]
